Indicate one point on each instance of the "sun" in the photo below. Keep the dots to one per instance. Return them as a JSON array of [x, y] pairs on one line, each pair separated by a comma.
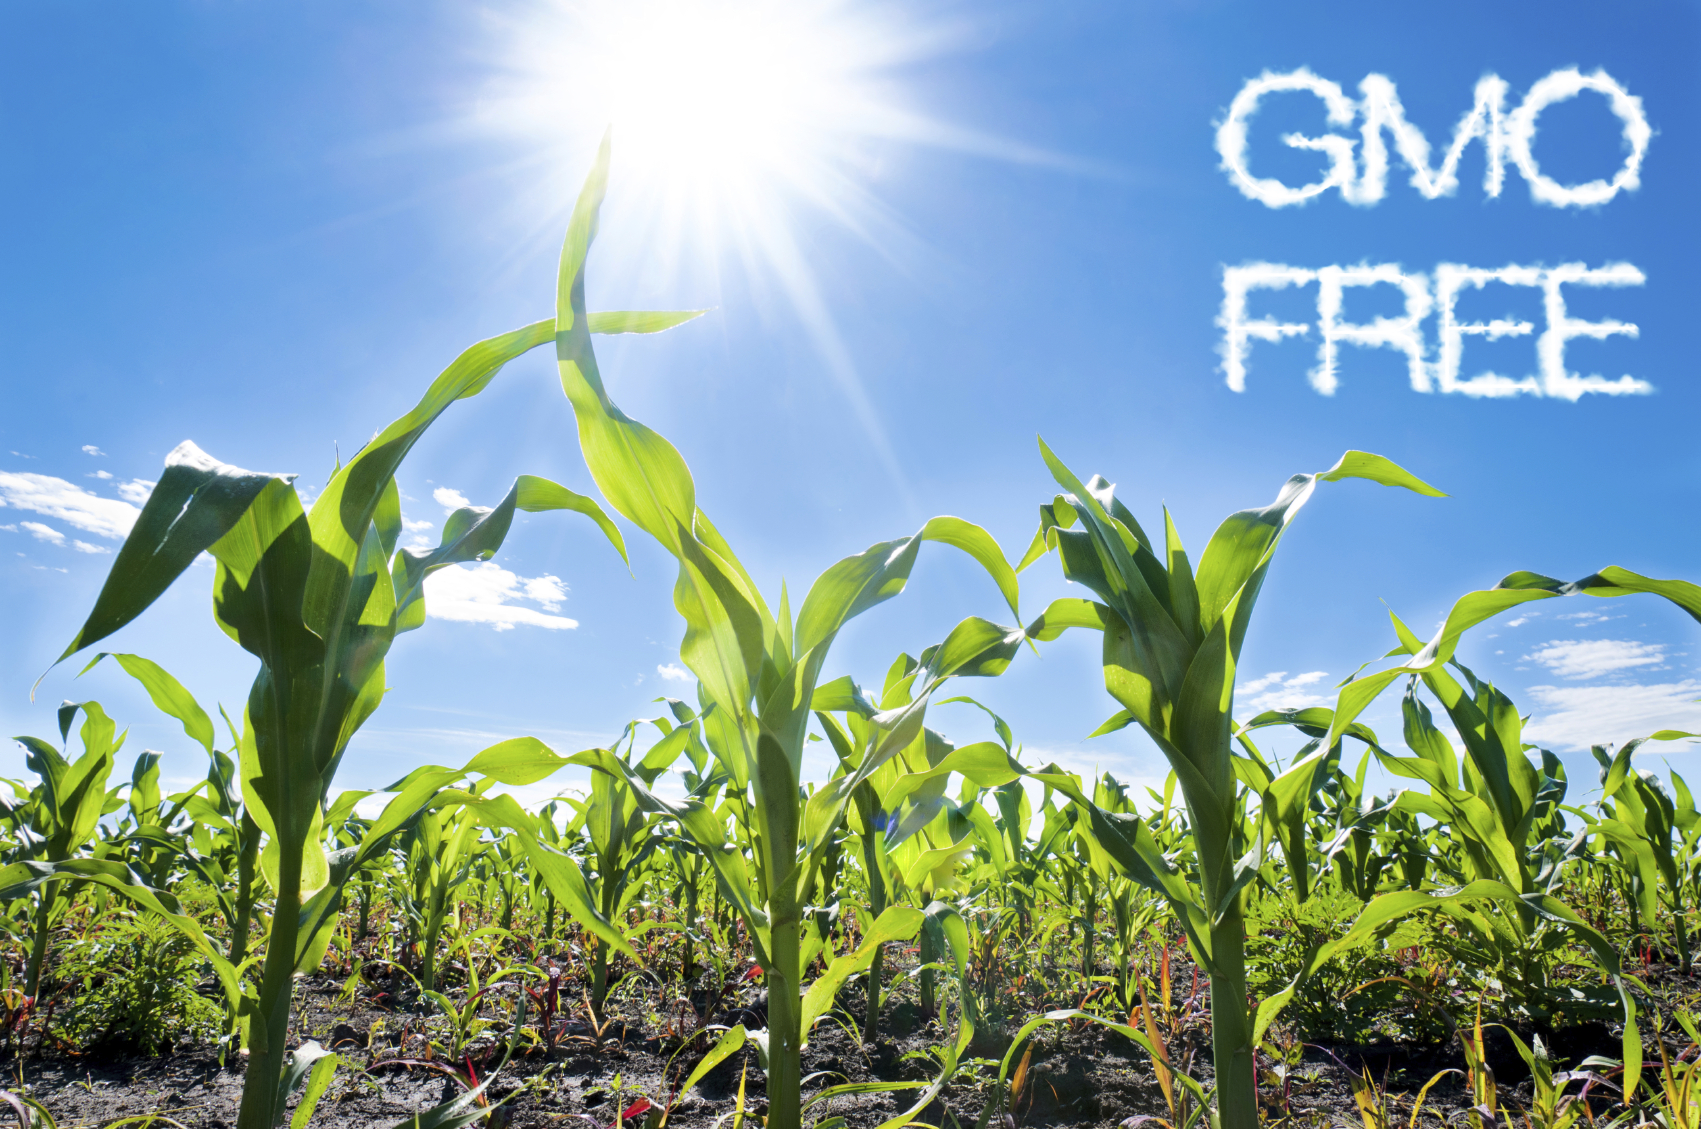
[[722, 99], [731, 120], [726, 114]]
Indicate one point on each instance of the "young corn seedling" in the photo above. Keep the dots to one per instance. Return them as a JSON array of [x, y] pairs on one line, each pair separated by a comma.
[[317, 597], [1653, 833], [757, 671], [64, 812], [1496, 800], [1172, 640]]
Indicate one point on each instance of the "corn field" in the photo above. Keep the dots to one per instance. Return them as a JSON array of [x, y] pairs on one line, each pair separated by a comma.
[[761, 935]]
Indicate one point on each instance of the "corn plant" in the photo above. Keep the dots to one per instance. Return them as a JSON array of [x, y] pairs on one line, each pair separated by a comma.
[[757, 668], [65, 809], [915, 842], [1652, 831], [622, 842], [1133, 907], [1172, 639], [1505, 798], [318, 598], [441, 844]]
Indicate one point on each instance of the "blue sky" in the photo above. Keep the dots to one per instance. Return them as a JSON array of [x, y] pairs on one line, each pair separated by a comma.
[[265, 227]]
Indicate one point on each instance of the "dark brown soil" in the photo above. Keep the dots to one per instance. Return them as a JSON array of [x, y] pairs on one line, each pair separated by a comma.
[[1080, 1075]]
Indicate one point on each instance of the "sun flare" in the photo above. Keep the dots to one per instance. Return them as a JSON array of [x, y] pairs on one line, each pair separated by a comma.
[[726, 114], [732, 120]]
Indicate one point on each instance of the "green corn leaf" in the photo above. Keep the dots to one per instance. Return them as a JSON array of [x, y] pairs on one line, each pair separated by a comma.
[[196, 503], [1640, 854], [898, 923], [948, 925], [932, 870], [166, 692], [977, 543], [535, 495], [1361, 464], [1615, 581], [313, 1064], [985, 763], [633, 321], [344, 511], [953, 1054], [729, 1044]]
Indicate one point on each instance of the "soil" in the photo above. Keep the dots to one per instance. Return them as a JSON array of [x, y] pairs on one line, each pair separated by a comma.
[[1080, 1074]]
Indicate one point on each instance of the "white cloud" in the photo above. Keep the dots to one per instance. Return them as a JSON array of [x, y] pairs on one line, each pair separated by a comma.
[[546, 590], [91, 449], [1575, 717], [103, 475], [43, 532], [418, 540], [1592, 658], [1588, 619], [70, 503], [481, 594], [450, 500], [1520, 621], [137, 490], [673, 672], [1276, 691], [85, 547]]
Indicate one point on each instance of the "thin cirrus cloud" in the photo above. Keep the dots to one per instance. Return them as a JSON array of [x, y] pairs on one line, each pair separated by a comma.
[[1575, 717], [53, 537], [487, 594], [1591, 658], [43, 532], [67, 502], [1276, 691]]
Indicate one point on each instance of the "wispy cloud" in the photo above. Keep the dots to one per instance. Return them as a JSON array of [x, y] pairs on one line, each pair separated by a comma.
[[485, 593], [673, 672], [1575, 717], [546, 590], [450, 500], [43, 532], [91, 449], [103, 475], [1276, 691], [1591, 658], [85, 547], [137, 490], [71, 504]]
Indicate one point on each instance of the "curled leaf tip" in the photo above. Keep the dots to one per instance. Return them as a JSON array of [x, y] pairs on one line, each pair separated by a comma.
[[1363, 464]]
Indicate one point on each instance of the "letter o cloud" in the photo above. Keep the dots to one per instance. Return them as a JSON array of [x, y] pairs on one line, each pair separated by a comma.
[[1561, 86]]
